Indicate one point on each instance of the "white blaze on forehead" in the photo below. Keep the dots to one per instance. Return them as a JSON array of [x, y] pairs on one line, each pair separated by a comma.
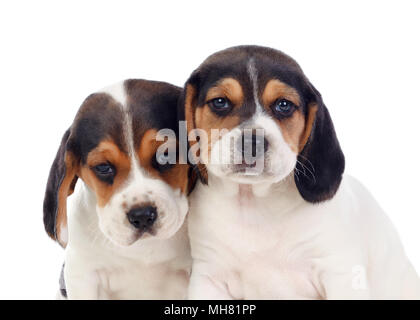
[[138, 188], [253, 75], [118, 92]]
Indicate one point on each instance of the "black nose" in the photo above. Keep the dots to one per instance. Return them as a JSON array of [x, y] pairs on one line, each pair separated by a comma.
[[142, 217], [253, 145]]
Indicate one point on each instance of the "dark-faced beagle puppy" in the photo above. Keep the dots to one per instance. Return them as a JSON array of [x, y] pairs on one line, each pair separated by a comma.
[[123, 228], [291, 227]]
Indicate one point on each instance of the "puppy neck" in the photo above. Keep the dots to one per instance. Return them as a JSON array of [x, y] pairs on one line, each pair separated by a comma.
[[262, 190], [271, 198]]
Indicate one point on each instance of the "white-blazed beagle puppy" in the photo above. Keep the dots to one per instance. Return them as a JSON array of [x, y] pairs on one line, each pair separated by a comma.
[[123, 228], [286, 225]]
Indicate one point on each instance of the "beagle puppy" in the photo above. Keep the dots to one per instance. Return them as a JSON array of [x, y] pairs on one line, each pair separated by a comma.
[[123, 228], [287, 224]]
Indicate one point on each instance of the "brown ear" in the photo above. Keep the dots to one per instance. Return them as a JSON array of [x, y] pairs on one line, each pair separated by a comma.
[[61, 182], [189, 106], [192, 180]]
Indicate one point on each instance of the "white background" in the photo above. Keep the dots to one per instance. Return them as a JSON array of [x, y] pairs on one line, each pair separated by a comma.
[[362, 56]]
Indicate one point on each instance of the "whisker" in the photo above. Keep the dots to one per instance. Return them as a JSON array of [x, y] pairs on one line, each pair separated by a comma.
[[304, 171], [307, 160], [296, 176]]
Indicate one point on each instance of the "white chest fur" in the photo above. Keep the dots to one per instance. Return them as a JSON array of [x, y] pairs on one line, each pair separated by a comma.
[[98, 269], [276, 246]]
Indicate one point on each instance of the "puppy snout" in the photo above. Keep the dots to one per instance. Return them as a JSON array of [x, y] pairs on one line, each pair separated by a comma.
[[142, 217], [252, 144]]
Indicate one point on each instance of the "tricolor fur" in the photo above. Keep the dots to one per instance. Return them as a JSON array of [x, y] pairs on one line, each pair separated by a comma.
[[123, 228], [297, 229]]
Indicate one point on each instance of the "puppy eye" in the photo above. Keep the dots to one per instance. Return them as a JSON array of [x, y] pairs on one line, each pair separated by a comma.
[[104, 169], [220, 105], [283, 107], [159, 162], [105, 172]]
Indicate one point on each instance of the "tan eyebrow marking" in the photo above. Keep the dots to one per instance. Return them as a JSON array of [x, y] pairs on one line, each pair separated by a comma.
[[275, 89], [176, 177], [293, 127], [147, 150], [227, 88], [106, 151]]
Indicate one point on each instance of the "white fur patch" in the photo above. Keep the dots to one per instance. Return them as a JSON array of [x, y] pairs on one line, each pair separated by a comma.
[[139, 189], [63, 234], [253, 75], [118, 92], [278, 162], [105, 257]]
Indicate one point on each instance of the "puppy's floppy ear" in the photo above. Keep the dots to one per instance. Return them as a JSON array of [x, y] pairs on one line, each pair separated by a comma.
[[188, 106], [321, 153], [61, 182], [192, 179]]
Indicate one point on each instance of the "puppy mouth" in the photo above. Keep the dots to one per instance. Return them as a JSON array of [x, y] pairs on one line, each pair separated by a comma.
[[247, 169], [146, 231], [151, 231], [135, 228], [136, 237], [242, 167]]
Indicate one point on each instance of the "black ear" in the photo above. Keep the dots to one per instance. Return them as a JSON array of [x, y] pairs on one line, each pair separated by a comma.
[[321, 157], [61, 182], [187, 106]]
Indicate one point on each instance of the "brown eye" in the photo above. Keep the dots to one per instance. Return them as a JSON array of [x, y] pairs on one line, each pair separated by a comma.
[[105, 172], [220, 105], [104, 169], [283, 107]]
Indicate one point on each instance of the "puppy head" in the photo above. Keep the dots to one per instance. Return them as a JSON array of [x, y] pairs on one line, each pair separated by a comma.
[[269, 114], [114, 145]]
